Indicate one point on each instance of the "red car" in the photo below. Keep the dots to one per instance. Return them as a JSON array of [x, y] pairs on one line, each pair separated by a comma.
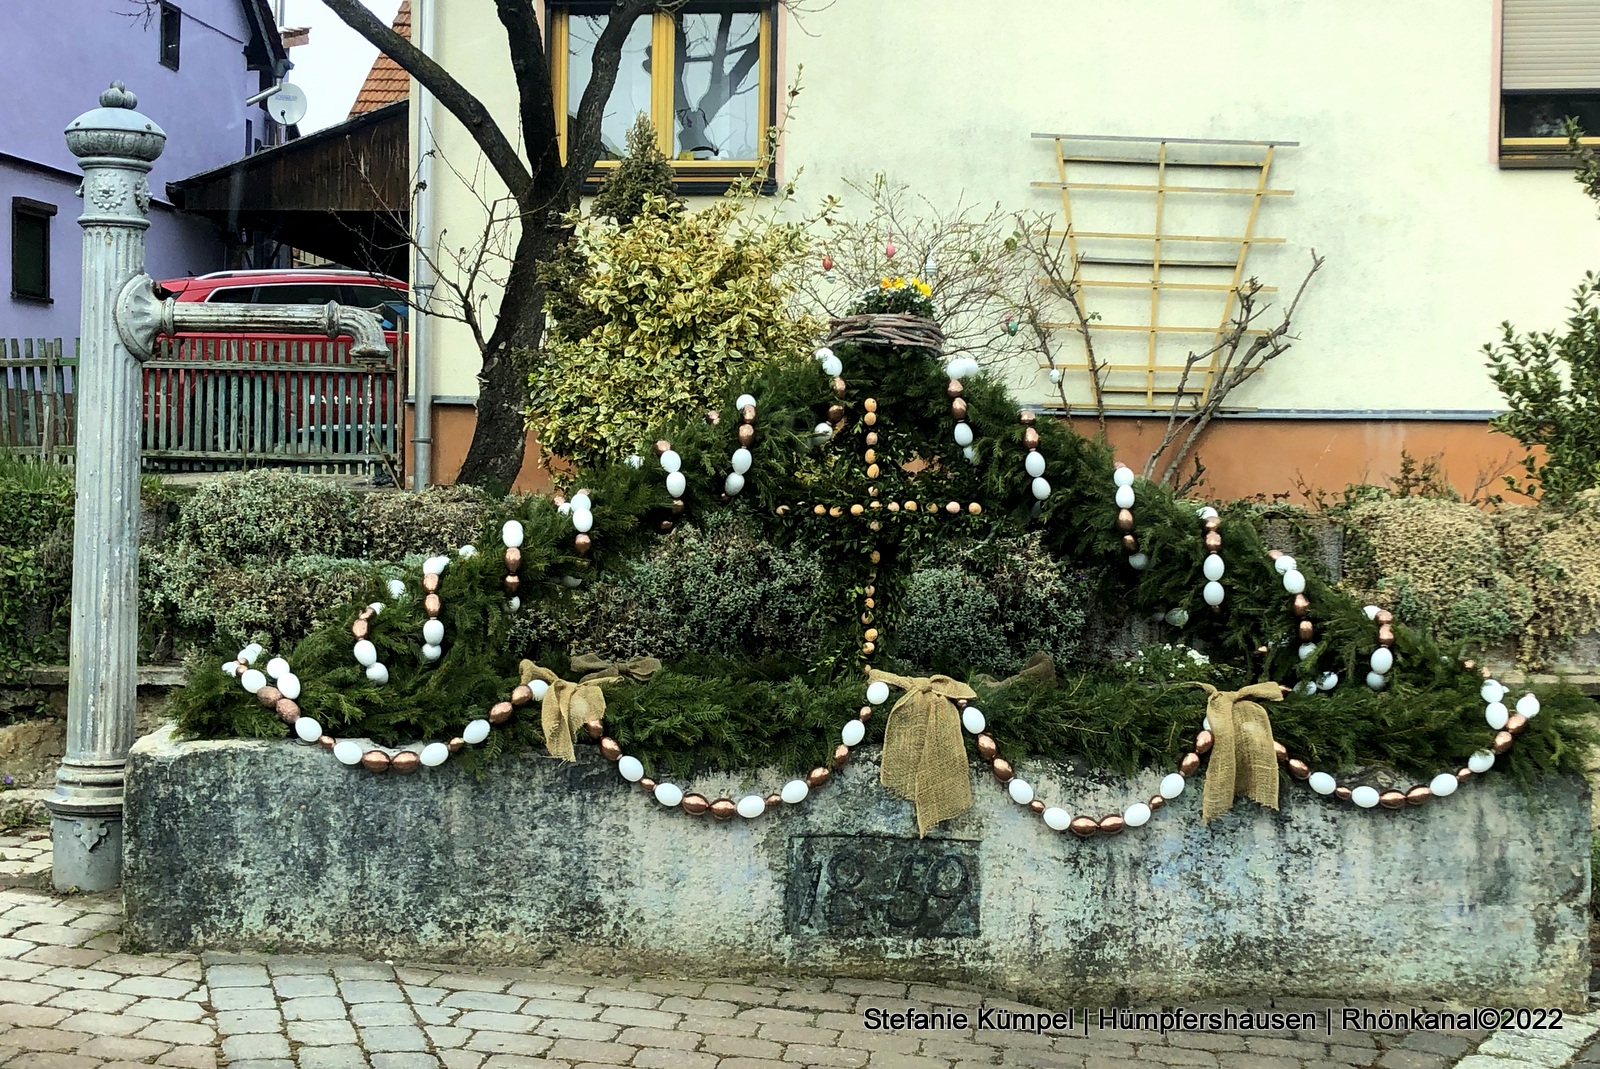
[[222, 399]]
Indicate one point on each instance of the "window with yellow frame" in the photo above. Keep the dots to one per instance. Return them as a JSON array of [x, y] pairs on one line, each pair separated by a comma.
[[703, 72], [1549, 73]]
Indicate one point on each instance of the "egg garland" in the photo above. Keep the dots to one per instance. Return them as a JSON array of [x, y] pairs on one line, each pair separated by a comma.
[[580, 511], [1212, 568], [1040, 486], [512, 535], [1122, 481]]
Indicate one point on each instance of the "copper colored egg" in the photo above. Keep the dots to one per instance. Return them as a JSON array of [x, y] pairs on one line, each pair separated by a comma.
[[513, 559], [1307, 630], [457, 744], [596, 729], [359, 629], [1030, 438], [870, 456], [911, 506], [1342, 793], [986, 747], [269, 695], [748, 413], [975, 508], [819, 510], [871, 603], [774, 801], [1469, 664], [1261, 651], [375, 761], [513, 583], [747, 435], [1213, 541], [872, 471], [1111, 825], [1156, 802], [647, 785], [1302, 605], [835, 413], [521, 694], [875, 556], [430, 582], [782, 510], [839, 387], [953, 508], [954, 388], [872, 634], [869, 590], [1026, 415], [1502, 741], [868, 648], [724, 809], [856, 509], [1516, 722], [870, 419], [872, 491], [1282, 752], [1203, 742], [1084, 827], [405, 761], [1392, 800], [665, 526], [1386, 635], [610, 750], [1463, 774], [1124, 519], [1189, 764], [958, 408], [1299, 769], [1384, 616], [1486, 672], [695, 804], [1418, 795], [288, 709], [662, 445], [817, 777], [432, 605], [836, 511], [870, 404], [327, 742], [582, 544], [872, 438], [894, 506], [1274, 554], [1036, 806], [499, 712], [677, 506], [1002, 770], [841, 755]]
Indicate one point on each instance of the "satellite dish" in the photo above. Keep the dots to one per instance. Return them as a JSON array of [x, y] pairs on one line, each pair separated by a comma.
[[288, 104]]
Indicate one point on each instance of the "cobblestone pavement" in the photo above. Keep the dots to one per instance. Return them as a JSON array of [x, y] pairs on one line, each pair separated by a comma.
[[25, 858], [70, 999]]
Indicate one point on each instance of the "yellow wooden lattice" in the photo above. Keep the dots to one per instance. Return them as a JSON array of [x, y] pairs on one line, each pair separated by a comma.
[[1183, 242]]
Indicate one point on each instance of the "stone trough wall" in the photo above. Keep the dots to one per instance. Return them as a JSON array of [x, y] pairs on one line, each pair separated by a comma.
[[275, 845]]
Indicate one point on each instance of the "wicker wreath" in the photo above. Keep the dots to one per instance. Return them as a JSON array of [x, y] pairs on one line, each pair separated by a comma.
[[884, 328]]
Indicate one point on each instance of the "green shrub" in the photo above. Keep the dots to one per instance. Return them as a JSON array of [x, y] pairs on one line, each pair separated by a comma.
[[438, 520], [1554, 550], [270, 516], [36, 502]]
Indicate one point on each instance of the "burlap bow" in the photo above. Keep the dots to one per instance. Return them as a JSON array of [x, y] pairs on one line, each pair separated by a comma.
[[1040, 668], [567, 706], [1243, 762], [924, 758]]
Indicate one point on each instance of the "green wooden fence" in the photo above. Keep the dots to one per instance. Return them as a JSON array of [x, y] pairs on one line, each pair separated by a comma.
[[38, 398]]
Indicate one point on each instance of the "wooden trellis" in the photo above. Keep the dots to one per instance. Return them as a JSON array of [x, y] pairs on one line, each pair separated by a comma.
[[1191, 266]]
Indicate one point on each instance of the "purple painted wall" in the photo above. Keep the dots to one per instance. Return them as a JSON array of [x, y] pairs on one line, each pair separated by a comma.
[[55, 58]]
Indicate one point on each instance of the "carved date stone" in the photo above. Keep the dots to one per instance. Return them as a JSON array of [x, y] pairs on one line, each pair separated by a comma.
[[864, 886]]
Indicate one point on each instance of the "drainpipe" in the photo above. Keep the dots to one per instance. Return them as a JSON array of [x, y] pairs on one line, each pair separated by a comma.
[[421, 274]]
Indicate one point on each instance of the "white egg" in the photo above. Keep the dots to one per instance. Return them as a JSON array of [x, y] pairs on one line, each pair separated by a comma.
[[1322, 783], [434, 565], [1021, 791], [823, 353], [741, 460], [435, 754], [1294, 582], [572, 582], [1528, 706], [963, 433], [1213, 593], [794, 792], [1139, 561], [378, 674], [514, 604], [1171, 785], [1177, 617], [347, 752], [1057, 819], [581, 500], [744, 401], [1307, 650], [751, 806], [1382, 660], [970, 453], [431, 652], [1207, 513], [433, 632], [1136, 815], [972, 719], [1482, 761], [1034, 463], [467, 552], [1496, 714], [539, 688], [366, 653], [630, 768], [676, 484], [289, 685], [877, 692], [1364, 796], [582, 520], [1372, 611], [1377, 680], [475, 732], [397, 589], [1444, 785], [277, 667], [733, 484], [1041, 488], [252, 679], [854, 731], [1055, 375], [376, 607], [1328, 680], [1213, 568], [671, 461], [511, 534], [1491, 691], [635, 461], [1308, 687], [230, 668], [1122, 476], [308, 729], [669, 794], [1284, 564], [832, 366], [1125, 497], [251, 652]]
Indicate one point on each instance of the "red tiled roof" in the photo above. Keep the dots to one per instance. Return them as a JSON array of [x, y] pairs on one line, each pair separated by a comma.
[[386, 82]]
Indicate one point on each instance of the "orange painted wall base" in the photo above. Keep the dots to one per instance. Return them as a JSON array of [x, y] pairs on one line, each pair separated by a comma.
[[1243, 457]]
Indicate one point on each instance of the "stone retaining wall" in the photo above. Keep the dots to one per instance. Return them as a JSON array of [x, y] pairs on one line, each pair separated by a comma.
[[274, 845]]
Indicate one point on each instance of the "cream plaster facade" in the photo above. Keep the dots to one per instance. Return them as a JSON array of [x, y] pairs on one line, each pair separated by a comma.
[[1429, 243]]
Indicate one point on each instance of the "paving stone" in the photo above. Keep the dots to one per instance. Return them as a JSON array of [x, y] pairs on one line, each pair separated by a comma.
[[471, 982], [332, 1058], [461, 1059], [152, 986], [315, 1009], [53, 934], [322, 1033], [771, 1015], [98, 1001], [666, 1058], [699, 1007], [243, 998], [567, 1028], [371, 991], [817, 1000], [300, 985], [744, 994], [880, 988], [743, 1047], [513, 1061], [190, 1057], [43, 1060], [632, 1015], [298, 964], [1412, 1059], [756, 1063], [430, 1014], [237, 1022], [497, 1022], [25, 1016], [42, 1039], [1207, 1040], [72, 957], [26, 993], [719, 1026], [255, 1045], [104, 1024], [122, 1047], [1530, 1048], [483, 1000], [424, 996], [14, 968], [236, 976], [78, 979], [1186, 1056], [668, 988], [545, 1007], [800, 1033], [363, 970], [584, 1050], [164, 1009], [616, 996], [189, 1033], [493, 1042], [386, 1038], [404, 1061], [811, 1054], [659, 1037], [444, 1037], [381, 1013]]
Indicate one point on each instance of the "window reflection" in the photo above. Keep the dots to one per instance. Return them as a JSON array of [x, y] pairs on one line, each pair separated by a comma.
[[1545, 114], [629, 96], [716, 86]]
